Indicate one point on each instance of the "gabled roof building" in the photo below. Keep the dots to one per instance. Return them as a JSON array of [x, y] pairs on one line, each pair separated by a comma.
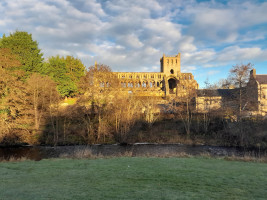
[[253, 101], [257, 92]]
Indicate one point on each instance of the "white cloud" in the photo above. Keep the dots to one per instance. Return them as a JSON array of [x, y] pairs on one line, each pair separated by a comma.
[[189, 69], [198, 57], [235, 53], [133, 35], [186, 44], [222, 23]]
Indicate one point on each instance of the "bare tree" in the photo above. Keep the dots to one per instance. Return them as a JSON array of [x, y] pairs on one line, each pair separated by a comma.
[[239, 76], [41, 89], [100, 89], [126, 111], [184, 107], [150, 110], [221, 84]]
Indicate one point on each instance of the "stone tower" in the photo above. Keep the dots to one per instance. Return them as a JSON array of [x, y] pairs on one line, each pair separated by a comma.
[[170, 81], [170, 65]]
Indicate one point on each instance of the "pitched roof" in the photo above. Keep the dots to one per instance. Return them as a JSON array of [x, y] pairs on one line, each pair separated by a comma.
[[262, 79]]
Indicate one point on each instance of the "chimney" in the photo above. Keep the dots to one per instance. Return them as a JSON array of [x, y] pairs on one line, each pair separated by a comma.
[[253, 73]]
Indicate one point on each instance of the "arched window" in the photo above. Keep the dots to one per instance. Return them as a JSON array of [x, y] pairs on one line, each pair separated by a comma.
[[144, 84], [102, 84], [172, 72]]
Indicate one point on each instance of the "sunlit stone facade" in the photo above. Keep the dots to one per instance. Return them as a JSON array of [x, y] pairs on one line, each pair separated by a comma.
[[253, 102], [170, 81], [257, 92]]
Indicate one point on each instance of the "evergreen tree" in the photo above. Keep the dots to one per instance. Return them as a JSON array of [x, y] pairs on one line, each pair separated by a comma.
[[59, 70], [75, 68], [25, 49]]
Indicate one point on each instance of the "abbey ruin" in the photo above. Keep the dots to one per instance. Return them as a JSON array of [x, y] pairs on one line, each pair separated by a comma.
[[170, 81]]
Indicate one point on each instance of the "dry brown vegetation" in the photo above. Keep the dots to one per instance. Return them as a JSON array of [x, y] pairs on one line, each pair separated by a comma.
[[32, 112]]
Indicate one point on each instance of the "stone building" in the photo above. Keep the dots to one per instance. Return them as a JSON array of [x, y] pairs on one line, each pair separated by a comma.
[[253, 102], [170, 81], [220, 99], [257, 92]]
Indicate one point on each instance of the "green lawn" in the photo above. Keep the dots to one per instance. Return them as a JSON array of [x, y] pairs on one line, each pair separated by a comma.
[[133, 178]]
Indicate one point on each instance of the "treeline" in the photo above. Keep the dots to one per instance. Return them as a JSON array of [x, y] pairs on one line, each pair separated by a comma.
[[58, 101], [30, 87], [32, 90]]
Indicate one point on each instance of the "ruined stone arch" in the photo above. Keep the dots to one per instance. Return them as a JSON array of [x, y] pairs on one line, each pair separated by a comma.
[[153, 84], [102, 84], [172, 82], [144, 84], [130, 84], [123, 84]]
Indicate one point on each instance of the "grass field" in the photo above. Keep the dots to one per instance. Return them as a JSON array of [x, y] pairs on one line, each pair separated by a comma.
[[133, 178]]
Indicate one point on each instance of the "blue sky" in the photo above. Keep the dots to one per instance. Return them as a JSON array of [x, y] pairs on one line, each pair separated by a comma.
[[132, 35]]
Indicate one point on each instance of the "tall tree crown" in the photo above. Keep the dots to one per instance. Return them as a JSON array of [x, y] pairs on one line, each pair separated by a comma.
[[25, 48], [239, 74]]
